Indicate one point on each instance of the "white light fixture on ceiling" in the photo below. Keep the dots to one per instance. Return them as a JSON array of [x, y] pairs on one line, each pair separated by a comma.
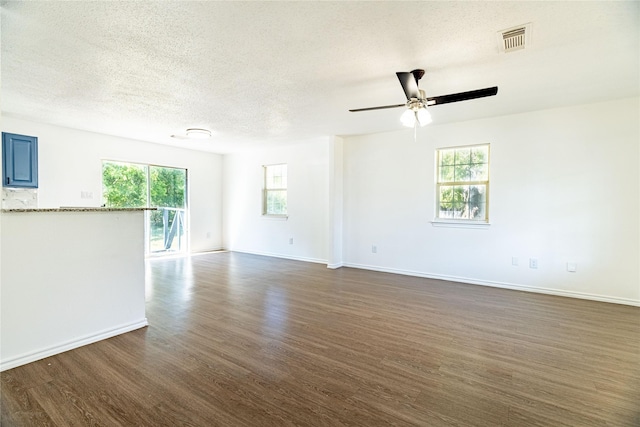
[[198, 133], [194, 133], [416, 114]]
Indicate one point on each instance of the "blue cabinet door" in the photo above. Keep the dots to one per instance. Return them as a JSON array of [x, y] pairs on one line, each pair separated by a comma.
[[19, 160]]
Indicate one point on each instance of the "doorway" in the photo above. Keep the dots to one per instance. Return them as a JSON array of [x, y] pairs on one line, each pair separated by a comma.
[[133, 185]]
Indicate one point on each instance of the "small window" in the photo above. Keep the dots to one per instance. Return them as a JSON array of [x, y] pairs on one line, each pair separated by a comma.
[[275, 190], [462, 188]]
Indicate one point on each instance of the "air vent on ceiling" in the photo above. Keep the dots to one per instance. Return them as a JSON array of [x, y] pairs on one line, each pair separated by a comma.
[[514, 38]]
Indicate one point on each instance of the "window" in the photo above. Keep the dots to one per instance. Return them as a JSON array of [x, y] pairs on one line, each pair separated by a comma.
[[275, 190], [463, 183]]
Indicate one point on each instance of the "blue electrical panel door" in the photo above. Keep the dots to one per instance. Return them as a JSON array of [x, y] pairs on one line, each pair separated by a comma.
[[19, 160]]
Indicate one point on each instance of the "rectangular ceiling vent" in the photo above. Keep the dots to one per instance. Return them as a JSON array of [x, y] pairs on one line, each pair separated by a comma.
[[515, 38]]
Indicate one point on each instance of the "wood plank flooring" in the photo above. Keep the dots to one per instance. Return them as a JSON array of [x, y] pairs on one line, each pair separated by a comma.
[[244, 340]]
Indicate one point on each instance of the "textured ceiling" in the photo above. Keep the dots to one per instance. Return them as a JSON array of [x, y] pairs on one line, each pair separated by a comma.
[[267, 73]]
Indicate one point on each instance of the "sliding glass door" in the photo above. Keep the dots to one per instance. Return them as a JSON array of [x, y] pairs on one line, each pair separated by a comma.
[[163, 188], [167, 192]]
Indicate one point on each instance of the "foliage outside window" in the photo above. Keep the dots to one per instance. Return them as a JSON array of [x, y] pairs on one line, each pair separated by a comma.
[[275, 190], [463, 183], [124, 185]]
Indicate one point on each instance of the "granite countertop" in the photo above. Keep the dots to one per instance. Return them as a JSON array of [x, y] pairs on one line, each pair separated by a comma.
[[78, 209]]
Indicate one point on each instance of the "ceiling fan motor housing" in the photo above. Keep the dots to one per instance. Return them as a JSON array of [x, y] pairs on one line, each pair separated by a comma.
[[417, 74], [416, 104]]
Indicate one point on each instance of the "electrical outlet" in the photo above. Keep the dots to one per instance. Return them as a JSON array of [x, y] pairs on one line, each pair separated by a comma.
[[86, 195], [514, 261], [291, 240], [533, 263], [572, 267], [374, 249]]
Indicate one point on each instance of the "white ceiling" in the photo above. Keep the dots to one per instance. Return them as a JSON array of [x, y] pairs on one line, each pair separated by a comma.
[[267, 73]]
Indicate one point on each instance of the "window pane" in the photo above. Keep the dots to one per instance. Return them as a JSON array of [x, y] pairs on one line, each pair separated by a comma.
[[459, 194], [463, 202], [481, 213], [167, 187], [463, 156], [446, 194], [124, 185], [446, 157], [479, 172], [276, 176], [479, 154], [477, 200], [276, 203], [446, 174], [446, 202], [466, 164], [445, 211], [461, 173]]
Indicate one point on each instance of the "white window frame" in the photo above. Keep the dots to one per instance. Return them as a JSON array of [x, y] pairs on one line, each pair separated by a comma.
[[266, 190], [461, 222]]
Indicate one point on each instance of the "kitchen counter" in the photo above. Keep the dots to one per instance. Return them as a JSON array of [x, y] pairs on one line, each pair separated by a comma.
[[70, 277], [78, 209]]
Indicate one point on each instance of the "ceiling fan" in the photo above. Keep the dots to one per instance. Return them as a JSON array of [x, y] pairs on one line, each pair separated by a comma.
[[417, 102]]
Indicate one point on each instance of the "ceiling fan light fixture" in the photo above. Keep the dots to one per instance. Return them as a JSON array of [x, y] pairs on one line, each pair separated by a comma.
[[423, 117], [198, 133], [408, 118], [416, 114]]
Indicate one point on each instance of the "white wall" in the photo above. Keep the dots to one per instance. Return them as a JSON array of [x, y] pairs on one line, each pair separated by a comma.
[[564, 188], [70, 162], [246, 230]]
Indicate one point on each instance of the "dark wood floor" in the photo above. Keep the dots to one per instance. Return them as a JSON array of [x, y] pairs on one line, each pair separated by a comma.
[[243, 340]]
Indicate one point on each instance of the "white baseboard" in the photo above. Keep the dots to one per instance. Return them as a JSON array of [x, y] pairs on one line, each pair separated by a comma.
[[504, 285], [23, 359], [513, 286]]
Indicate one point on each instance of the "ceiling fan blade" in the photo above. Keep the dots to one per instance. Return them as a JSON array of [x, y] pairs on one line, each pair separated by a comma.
[[462, 96], [377, 108], [409, 85]]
